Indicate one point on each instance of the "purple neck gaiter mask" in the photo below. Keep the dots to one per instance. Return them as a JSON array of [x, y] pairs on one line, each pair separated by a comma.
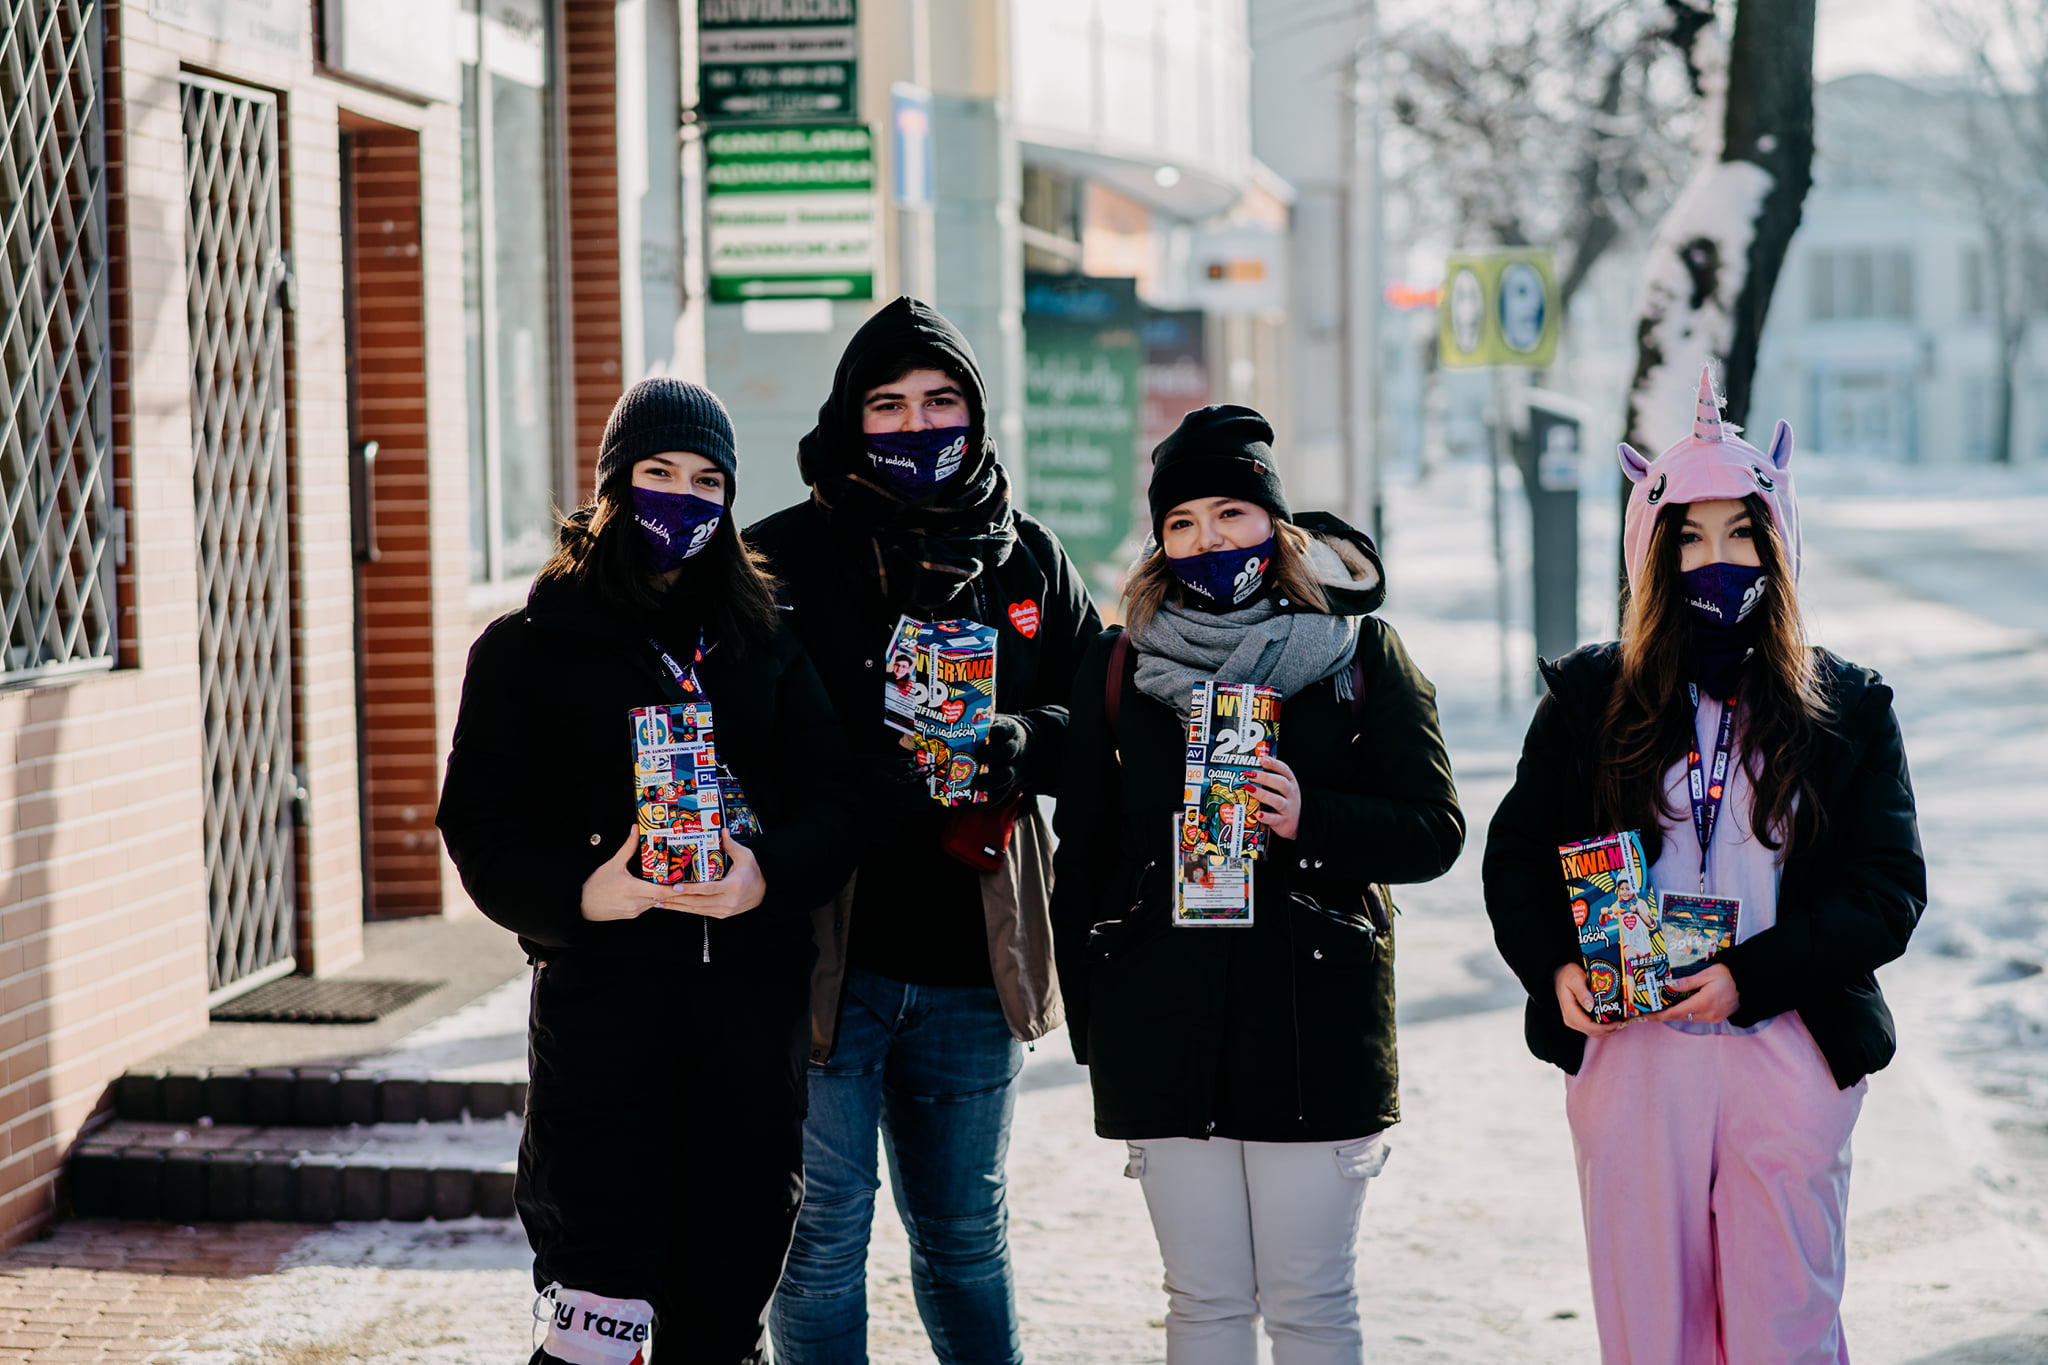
[[916, 464], [674, 525], [1223, 580], [1722, 600]]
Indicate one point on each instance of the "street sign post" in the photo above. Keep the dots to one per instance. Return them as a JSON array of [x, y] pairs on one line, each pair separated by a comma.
[[1499, 309], [910, 130], [777, 61], [790, 213]]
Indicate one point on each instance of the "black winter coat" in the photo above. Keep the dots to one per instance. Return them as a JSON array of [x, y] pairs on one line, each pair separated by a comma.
[[839, 614], [539, 791], [1848, 898], [1280, 1032]]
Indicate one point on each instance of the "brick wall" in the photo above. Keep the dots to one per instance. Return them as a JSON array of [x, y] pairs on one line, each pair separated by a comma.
[[396, 597], [103, 917], [590, 96]]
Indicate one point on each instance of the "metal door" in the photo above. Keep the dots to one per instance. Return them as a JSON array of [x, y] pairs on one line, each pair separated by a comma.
[[236, 274]]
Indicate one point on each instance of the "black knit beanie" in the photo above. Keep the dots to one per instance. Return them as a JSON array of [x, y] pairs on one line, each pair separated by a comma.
[[1221, 451], [664, 414]]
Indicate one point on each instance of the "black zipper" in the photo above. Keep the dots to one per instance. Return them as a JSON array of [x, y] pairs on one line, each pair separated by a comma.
[[1294, 999]]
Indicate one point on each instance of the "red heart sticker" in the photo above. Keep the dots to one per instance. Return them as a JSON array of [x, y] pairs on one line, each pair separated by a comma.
[[953, 710], [1024, 616]]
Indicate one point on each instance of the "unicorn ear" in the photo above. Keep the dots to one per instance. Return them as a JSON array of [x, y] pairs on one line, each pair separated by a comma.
[[1633, 464], [1781, 445]]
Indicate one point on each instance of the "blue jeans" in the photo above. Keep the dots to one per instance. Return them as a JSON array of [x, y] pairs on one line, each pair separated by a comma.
[[931, 1069]]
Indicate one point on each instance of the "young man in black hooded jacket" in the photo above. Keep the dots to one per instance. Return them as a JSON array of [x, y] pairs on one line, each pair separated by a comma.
[[931, 972]]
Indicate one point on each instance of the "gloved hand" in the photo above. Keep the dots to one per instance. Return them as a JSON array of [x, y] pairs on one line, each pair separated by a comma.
[[1002, 756], [899, 788]]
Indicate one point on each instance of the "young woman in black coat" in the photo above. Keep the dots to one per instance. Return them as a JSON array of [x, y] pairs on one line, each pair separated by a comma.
[[661, 1168], [1250, 1070]]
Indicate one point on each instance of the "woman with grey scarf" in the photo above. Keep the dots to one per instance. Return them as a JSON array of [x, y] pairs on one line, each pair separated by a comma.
[[1248, 1062]]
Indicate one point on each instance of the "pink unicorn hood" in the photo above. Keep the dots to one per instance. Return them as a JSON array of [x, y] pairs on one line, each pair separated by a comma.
[[1711, 463]]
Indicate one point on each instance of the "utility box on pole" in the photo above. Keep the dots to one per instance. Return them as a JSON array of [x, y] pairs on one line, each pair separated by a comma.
[[1547, 444]]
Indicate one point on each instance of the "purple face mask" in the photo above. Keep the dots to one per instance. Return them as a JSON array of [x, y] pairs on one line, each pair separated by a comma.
[[1223, 580], [674, 525], [1724, 594], [916, 464]]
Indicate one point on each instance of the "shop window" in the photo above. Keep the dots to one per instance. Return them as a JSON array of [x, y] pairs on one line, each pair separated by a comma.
[[509, 261], [59, 527]]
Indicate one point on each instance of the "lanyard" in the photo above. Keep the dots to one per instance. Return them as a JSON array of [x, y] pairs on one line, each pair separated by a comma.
[[1708, 790], [685, 675]]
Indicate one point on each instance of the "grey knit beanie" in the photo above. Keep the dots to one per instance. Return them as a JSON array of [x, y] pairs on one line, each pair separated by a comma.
[[664, 414]]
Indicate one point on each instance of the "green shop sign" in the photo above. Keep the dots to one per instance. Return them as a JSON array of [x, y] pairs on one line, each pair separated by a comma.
[[776, 61], [1082, 402], [790, 213]]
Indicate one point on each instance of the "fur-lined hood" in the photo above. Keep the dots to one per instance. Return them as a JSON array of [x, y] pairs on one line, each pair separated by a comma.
[[1351, 574]]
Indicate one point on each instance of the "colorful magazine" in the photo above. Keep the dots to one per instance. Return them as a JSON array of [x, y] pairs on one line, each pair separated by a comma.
[[1695, 928], [1607, 885], [1231, 726], [1210, 891], [676, 794], [941, 691]]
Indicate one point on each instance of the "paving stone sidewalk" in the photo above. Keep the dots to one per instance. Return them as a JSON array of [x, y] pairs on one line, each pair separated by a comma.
[[125, 1292]]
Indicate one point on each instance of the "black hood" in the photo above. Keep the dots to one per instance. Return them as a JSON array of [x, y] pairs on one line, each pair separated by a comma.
[[906, 330], [1363, 588]]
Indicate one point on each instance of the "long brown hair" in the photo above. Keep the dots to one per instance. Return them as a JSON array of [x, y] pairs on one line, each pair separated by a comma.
[[1647, 726], [599, 549], [1147, 588]]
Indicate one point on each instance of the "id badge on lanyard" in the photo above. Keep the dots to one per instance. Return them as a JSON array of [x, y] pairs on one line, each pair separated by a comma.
[[685, 675], [1708, 785]]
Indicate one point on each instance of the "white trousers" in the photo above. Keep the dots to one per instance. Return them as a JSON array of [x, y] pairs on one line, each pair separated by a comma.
[[1251, 1228]]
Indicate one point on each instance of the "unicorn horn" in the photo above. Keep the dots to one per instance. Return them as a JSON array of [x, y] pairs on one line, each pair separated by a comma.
[[1706, 421]]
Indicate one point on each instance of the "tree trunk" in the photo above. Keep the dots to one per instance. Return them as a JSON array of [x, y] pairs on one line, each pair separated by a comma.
[[1769, 122], [1714, 262]]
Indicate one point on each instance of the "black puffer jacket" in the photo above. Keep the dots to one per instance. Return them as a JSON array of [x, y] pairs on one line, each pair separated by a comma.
[[539, 790], [1848, 899], [1283, 1032]]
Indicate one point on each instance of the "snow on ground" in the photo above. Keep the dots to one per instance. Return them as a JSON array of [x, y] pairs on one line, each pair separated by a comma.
[[485, 1040], [1471, 1250]]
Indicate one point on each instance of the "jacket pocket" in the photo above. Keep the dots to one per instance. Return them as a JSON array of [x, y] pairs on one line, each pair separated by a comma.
[[1362, 1159], [1337, 930], [1112, 938]]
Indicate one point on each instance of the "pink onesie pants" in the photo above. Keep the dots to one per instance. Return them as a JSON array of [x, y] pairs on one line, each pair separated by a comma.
[[1714, 1173]]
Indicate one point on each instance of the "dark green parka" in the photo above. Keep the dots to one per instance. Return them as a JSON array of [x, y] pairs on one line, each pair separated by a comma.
[[1283, 1032]]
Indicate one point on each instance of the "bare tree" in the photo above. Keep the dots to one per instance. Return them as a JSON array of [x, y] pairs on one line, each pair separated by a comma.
[[1997, 153], [1715, 259], [1552, 121]]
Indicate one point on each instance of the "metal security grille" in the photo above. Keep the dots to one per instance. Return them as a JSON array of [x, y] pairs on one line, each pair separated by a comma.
[[57, 539], [235, 269]]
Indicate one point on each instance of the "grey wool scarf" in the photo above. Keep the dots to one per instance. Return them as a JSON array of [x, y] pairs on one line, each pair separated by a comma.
[[1180, 647]]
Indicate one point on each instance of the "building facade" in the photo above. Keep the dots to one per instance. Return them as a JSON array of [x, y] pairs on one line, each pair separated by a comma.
[[312, 317], [1915, 246]]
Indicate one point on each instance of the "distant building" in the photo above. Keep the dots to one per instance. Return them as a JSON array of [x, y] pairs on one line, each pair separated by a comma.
[[1881, 339]]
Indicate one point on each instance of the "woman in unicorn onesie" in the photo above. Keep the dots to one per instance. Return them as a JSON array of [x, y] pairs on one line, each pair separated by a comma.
[[1712, 1137]]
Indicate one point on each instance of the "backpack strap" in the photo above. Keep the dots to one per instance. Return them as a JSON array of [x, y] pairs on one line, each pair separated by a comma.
[[1120, 667]]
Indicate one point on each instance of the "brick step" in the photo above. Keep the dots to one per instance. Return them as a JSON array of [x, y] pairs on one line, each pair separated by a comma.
[[216, 1172], [309, 1097]]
